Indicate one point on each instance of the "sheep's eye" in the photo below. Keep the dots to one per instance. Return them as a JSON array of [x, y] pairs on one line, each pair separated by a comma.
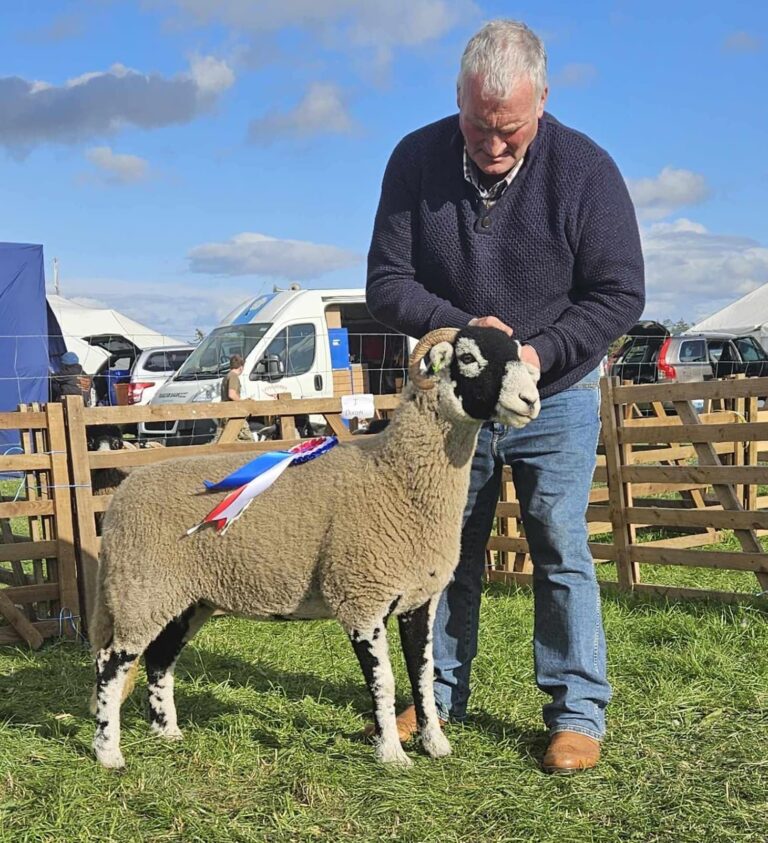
[[466, 358]]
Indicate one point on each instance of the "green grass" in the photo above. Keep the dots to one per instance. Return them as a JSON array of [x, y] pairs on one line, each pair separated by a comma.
[[270, 712]]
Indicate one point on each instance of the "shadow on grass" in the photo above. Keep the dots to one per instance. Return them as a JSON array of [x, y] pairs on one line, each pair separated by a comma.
[[33, 698]]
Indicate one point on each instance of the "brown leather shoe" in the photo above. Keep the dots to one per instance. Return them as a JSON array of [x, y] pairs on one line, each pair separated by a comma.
[[407, 726], [569, 752]]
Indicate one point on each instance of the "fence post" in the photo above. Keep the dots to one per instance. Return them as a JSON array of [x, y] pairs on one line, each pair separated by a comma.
[[751, 414], [618, 497], [87, 540], [286, 425], [62, 501]]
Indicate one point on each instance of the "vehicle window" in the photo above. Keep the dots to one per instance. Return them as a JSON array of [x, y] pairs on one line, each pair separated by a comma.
[[636, 353], [728, 353], [295, 346], [715, 349], [121, 362], [166, 361], [693, 351], [750, 349], [211, 358]]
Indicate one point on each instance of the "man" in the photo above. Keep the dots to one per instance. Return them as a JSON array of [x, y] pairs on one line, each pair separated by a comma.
[[231, 388], [501, 216], [70, 379]]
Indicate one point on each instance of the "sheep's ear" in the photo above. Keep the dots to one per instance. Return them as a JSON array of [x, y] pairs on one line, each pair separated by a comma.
[[440, 356], [533, 371]]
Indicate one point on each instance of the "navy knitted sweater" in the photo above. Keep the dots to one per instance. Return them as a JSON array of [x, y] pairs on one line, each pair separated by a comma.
[[557, 258]]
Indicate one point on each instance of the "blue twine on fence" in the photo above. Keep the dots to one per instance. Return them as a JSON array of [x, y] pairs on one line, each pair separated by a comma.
[[66, 616], [22, 479]]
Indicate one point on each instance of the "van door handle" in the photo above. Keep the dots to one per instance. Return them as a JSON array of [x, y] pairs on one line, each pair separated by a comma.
[[318, 382]]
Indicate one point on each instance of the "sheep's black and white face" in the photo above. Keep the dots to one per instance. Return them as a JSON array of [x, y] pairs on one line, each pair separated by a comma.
[[482, 377], [104, 437]]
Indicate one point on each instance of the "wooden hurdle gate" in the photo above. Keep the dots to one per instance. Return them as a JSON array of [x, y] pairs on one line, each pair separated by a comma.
[[697, 474], [39, 597]]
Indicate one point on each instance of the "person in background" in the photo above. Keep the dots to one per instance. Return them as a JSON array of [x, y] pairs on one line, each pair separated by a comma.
[[231, 388], [500, 216], [70, 379]]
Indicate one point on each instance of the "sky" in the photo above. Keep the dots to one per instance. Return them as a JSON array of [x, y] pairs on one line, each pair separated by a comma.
[[180, 156]]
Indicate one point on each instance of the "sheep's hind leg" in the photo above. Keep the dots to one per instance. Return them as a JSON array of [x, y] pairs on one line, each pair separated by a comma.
[[112, 667], [416, 640], [160, 660], [371, 649]]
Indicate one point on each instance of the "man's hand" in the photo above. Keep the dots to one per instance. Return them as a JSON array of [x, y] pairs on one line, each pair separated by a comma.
[[491, 322], [528, 354]]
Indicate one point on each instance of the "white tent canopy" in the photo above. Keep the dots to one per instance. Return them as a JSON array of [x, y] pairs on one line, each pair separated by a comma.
[[78, 321], [747, 315]]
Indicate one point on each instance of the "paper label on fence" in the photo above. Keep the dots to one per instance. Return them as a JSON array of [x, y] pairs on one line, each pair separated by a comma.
[[357, 406]]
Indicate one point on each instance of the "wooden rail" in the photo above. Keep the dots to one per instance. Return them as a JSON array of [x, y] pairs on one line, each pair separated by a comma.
[[685, 476]]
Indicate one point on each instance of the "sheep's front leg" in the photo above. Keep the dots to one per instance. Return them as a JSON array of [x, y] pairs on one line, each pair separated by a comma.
[[112, 667], [372, 652], [160, 660], [416, 639]]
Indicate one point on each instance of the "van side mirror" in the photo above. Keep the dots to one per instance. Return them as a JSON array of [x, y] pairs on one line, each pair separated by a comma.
[[269, 368]]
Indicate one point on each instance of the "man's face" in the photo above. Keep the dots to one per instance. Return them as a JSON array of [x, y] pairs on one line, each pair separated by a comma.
[[498, 132]]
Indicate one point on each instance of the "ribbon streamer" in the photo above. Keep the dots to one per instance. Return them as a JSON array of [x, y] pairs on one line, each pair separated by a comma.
[[255, 477]]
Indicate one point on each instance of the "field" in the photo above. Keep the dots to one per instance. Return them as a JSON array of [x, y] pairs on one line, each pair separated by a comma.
[[271, 712]]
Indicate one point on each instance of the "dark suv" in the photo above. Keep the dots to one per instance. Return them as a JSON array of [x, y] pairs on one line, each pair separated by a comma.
[[651, 355]]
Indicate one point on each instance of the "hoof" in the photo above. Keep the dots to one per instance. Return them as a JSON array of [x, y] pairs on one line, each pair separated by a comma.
[[436, 745], [173, 734], [394, 755], [110, 759]]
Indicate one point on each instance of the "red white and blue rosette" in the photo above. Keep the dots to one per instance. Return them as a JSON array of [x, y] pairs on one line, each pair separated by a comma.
[[255, 477]]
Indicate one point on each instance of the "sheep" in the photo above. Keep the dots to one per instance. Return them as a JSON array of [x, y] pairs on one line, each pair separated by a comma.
[[104, 481], [370, 530]]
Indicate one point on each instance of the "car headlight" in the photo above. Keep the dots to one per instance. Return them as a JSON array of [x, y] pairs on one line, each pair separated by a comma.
[[208, 393]]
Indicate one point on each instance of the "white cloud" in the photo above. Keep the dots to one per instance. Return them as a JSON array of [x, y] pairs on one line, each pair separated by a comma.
[[345, 24], [118, 168], [173, 308], [211, 75], [101, 102], [575, 76], [672, 189], [692, 272], [321, 111], [256, 254], [742, 42], [367, 31]]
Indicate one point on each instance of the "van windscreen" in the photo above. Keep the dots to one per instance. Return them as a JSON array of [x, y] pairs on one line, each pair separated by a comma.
[[211, 358]]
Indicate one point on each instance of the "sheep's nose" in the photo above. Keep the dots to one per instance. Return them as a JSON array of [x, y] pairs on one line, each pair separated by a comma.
[[528, 401]]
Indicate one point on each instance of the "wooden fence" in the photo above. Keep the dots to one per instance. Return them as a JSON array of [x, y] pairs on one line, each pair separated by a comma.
[[689, 479], [38, 594], [684, 478]]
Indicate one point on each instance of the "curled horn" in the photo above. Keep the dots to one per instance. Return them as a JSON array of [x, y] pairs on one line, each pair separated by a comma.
[[420, 352]]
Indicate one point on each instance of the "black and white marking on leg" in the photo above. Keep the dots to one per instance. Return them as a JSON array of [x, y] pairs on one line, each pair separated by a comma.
[[416, 638], [160, 659], [372, 652], [112, 668]]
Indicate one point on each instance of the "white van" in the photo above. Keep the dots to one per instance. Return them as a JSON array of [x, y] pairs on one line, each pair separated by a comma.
[[309, 343]]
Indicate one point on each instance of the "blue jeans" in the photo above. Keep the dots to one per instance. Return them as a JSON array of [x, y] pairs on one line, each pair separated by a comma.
[[552, 461]]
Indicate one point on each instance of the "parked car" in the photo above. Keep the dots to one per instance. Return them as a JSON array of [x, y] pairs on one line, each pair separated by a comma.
[[144, 371], [152, 369], [651, 355]]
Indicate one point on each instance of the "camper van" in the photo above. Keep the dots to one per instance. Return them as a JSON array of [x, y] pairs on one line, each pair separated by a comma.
[[309, 343]]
